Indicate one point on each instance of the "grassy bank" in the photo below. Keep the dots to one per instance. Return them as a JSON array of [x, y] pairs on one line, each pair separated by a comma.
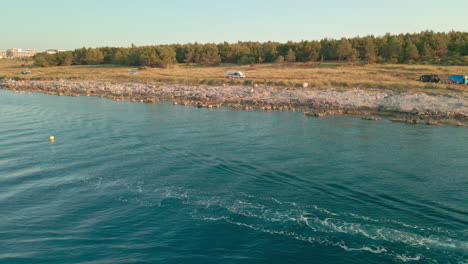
[[394, 77]]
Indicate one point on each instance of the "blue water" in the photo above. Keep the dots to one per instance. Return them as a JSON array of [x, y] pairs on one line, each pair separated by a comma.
[[156, 183]]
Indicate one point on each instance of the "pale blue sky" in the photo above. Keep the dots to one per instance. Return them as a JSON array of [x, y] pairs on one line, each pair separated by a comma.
[[63, 24]]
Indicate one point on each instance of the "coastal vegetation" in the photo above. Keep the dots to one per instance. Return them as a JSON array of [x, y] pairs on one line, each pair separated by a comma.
[[340, 75], [426, 47]]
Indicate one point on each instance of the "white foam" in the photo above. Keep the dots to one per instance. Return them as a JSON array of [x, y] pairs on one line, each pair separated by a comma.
[[375, 250], [277, 217], [332, 225], [406, 258], [247, 195]]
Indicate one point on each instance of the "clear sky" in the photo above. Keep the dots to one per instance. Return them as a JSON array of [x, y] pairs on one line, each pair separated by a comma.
[[70, 24]]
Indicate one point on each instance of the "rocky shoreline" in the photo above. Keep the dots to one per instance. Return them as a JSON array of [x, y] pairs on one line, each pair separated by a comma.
[[416, 108]]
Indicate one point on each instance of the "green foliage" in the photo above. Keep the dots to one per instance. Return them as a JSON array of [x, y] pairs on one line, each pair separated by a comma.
[[280, 60], [346, 51], [246, 59], [45, 60], [426, 47], [392, 47], [270, 52], [120, 56], [192, 53], [291, 57], [64, 58], [79, 56], [108, 53], [210, 55], [93, 56], [455, 60], [328, 50], [232, 53], [370, 53], [353, 56], [426, 50], [439, 46], [154, 56], [308, 51], [410, 52]]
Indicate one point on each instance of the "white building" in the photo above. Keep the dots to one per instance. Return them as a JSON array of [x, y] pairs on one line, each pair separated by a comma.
[[18, 53], [54, 51]]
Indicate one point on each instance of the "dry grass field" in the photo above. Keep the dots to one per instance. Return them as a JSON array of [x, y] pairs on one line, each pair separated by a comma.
[[394, 77]]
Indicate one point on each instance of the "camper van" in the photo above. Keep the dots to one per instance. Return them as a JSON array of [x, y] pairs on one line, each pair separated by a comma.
[[234, 75]]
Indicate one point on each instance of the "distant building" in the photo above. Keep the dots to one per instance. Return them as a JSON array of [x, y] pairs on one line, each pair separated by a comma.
[[18, 53], [54, 51]]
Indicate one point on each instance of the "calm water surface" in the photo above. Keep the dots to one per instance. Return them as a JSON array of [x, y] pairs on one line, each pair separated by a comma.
[[156, 183]]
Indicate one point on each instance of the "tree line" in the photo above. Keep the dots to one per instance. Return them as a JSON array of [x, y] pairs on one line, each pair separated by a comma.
[[425, 47]]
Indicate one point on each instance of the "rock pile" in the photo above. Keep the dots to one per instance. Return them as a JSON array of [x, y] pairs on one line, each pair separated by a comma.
[[406, 107]]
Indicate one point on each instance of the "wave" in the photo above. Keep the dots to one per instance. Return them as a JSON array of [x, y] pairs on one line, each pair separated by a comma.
[[317, 225]]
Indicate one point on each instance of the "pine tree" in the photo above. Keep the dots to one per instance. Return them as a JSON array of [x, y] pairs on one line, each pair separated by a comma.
[[344, 49], [269, 51], [370, 52], [410, 51], [45, 60], [64, 58], [93, 56], [79, 56], [426, 50], [308, 51], [439, 47], [353, 56], [193, 53], [226, 51], [392, 48], [328, 50], [210, 55], [291, 57], [120, 56], [167, 56]]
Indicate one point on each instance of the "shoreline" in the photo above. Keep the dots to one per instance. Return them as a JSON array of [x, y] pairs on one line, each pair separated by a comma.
[[414, 108]]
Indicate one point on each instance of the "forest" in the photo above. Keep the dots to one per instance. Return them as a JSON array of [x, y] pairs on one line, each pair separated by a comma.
[[427, 47]]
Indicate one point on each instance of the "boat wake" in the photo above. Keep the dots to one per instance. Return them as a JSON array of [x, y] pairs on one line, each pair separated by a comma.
[[312, 224]]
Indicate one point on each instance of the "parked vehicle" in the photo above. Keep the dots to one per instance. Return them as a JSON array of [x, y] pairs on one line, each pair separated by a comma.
[[25, 72], [234, 75], [429, 78], [458, 79]]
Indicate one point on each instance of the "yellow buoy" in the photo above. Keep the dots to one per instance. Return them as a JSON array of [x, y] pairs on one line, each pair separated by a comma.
[[51, 138]]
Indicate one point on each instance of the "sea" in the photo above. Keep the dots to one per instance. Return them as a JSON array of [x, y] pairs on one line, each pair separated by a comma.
[[131, 182]]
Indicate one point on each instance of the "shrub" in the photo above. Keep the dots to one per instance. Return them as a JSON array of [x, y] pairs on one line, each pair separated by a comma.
[[280, 60], [64, 58], [210, 55], [248, 82], [246, 59], [45, 60]]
